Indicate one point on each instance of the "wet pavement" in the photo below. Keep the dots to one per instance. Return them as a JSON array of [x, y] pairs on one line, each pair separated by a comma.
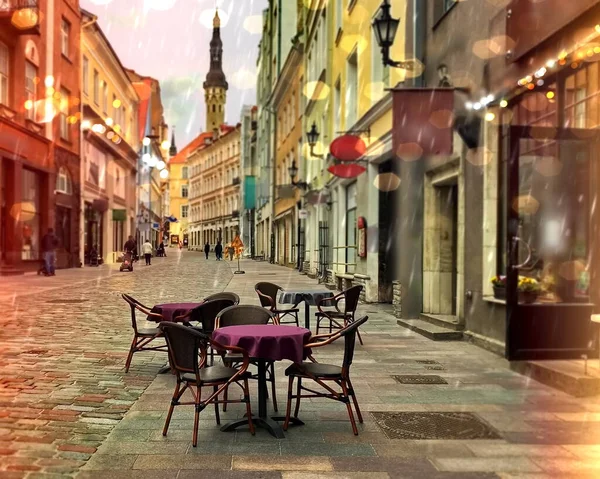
[[68, 409]]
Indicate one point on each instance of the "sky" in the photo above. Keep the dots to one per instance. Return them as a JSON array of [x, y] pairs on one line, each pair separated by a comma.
[[169, 40]]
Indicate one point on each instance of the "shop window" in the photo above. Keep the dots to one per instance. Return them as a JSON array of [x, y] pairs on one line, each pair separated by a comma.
[[30, 215], [63, 182], [4, 61]]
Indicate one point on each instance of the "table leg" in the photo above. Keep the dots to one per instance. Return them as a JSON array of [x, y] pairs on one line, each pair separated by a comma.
[[307, 315]]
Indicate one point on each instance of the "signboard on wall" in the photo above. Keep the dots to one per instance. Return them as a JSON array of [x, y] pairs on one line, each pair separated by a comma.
[[302, 214], [174, 239]]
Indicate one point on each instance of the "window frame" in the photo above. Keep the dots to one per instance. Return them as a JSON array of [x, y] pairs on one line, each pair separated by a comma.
[[85, 74], [184, 208], [185, 189], [4, 76], [65, 36], [96, 91], [30, 94], [63, 174]]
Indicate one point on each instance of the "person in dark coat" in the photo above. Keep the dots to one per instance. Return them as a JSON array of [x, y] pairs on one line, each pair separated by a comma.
[[206, 249], [49, 244], [219, 250]]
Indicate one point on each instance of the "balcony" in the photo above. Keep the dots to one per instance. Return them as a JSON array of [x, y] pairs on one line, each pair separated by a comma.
[[235, 181], [20, 17], [235, 214]]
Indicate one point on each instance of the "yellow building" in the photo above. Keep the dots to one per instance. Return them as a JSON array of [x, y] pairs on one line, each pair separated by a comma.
[[109, 147]]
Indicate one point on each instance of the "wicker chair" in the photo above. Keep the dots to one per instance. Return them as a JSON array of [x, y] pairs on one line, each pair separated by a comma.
[[188, 351], [142, 337], [243, 315], [325, 374], [337, 318], [224, 295], [267, 294]]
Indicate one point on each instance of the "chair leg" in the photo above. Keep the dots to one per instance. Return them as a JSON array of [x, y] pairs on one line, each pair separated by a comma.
[[196, 416], [288, 409], [176, 397], [225, 399], [248, 407], [273, 387], [318, 324], [218, 418], [298, 391], [359, 338], [354, 400], [130, 355], [349, 407]]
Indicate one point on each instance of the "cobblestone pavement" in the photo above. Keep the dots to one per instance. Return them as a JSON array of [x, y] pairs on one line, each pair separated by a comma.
[[63, 343], [67, 405]]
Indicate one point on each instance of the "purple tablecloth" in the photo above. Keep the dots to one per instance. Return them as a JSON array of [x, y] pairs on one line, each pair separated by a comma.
[[266, 341], [170, 311]]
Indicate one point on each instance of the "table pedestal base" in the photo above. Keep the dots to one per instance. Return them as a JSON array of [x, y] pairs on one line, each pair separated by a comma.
[[268, 423]]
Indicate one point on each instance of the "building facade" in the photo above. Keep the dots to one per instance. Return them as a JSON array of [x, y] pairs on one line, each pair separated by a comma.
[[40, 184], [505, 187], [110, 146]]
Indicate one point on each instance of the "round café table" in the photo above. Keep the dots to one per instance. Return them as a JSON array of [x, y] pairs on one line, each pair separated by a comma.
[[265, 343], [169, 311], [310, 298]]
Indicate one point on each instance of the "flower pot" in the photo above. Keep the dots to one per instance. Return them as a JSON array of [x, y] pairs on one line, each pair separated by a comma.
[[527, 297], [499, 292]]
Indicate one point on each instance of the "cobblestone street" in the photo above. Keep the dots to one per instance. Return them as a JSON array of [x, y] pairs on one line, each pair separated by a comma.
[[68, 409]]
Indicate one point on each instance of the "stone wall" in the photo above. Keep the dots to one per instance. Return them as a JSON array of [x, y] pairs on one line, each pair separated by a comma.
[[397, 301], [362, 280]]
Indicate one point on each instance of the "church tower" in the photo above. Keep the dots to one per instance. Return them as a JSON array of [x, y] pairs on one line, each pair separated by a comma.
[[215, 86]]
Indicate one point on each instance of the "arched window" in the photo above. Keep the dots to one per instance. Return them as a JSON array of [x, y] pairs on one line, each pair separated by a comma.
[[214, 108], [63, 182]]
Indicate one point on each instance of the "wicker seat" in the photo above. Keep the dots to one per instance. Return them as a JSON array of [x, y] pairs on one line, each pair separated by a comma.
[[267, 294], [142, 337], [325, 374], [188, 352], [244, 315], [337, 318]]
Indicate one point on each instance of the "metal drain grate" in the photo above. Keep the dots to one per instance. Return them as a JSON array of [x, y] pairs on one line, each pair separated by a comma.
[[426, 361], [433, 425], [435, 368], [419, 379], [67, 301]]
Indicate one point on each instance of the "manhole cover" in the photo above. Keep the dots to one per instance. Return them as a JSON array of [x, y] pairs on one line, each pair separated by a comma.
[[435, 368], [419, 379], [67, 301], [433, 425], [426, 361]]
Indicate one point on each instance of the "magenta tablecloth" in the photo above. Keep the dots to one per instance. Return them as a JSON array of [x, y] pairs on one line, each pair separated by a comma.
[[170, 311], [266, 341]]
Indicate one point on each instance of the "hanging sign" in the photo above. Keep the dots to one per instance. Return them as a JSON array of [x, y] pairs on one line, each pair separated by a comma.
[[348, 148], [361, 223], [302, 214], [348, 170]]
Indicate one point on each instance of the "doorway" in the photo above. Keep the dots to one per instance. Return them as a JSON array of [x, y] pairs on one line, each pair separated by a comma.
[[441, 234]]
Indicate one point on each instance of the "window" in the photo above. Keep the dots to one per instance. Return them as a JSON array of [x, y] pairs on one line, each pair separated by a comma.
[[184, 191], [96, 87], [64, 114], [85, 74], [30, 214], [184, 211], [105, 97], [351, 91], [30, 75], [63, 182], [4, 60], [440, 7], [65, 31], [184, 172]]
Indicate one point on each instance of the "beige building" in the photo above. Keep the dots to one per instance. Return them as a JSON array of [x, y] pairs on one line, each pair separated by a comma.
[[214, 197], [109, 146]]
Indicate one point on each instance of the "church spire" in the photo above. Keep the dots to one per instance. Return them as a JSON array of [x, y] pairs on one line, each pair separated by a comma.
[[173, 148], [215, 86]]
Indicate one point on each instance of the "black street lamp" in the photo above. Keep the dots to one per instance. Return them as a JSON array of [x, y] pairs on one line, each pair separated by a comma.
[[312, 136], [293, 171], [385, 28]]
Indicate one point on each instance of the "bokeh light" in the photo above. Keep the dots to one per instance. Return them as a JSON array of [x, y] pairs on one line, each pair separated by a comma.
[[387, 182]]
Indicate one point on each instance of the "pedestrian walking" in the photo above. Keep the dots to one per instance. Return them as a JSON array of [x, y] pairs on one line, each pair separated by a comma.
[[49, 244], [147, 251], [206, 249], [219, 250]]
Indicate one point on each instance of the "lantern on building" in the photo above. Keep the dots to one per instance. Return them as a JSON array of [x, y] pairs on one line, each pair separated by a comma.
[[25, 18]]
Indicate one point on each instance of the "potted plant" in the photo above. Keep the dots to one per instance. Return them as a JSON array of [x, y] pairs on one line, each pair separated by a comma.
[[529, 289], [499, 285]]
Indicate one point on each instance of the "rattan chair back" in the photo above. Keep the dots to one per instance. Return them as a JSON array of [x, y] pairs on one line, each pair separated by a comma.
[[349, 334], [224, 295], [351, 297], [267, 289], [185, 345], [243, 314], [133, 303], [207, 313]]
